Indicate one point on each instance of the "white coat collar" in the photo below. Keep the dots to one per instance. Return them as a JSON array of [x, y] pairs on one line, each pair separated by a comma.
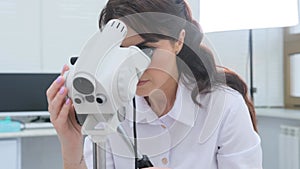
[[184, 109]]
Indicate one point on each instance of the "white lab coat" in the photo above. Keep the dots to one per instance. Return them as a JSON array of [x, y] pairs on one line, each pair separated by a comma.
[[217, 135]]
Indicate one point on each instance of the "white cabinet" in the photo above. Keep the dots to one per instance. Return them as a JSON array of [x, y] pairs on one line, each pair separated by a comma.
[[10, 153], [269, 124], [30, 149]]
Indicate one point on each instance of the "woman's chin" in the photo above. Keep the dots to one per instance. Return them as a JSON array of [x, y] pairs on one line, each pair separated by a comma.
[[142, 92]]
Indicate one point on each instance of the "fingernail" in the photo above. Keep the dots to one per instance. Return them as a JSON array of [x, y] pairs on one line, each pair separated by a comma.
[[58, 80], [62, 90], [65, 67], [68, 101]]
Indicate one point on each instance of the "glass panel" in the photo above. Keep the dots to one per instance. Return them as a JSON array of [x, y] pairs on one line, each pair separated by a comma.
[[295, 75], [296, 29]]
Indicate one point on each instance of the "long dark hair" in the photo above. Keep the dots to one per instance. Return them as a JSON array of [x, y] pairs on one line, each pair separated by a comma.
[[195, 63]]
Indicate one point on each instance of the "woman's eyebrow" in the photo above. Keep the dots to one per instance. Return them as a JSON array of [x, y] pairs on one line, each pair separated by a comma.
[[139, 44]]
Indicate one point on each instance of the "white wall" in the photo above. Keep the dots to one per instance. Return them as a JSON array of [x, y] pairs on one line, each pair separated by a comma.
[[66, 26], [232, 51], [39, 36], [20, 35]]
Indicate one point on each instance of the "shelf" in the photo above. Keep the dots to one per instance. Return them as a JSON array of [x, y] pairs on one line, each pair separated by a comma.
[[29, 133], [260, 112], [24, 113], [282, 113]]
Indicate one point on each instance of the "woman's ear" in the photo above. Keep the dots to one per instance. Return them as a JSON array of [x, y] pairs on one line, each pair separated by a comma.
[[180, 42]]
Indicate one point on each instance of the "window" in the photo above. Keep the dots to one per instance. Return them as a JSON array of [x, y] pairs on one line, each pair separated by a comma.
[[292, 66]]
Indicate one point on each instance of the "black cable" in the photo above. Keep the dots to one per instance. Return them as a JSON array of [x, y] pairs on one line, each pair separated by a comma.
[[252, 89], [135, 135], [36, 119], [95, 155]]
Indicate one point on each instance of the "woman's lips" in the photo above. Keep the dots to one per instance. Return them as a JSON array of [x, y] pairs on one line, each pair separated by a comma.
[[142, 82]]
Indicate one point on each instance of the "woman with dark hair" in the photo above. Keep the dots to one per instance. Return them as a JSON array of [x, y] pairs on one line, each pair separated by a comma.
[[191, 113]]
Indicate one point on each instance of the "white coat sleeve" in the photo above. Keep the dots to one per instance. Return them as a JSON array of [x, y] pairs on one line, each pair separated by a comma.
[[238, 144]]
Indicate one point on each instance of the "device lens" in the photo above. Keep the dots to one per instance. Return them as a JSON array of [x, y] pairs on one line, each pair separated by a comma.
[[83, 85], [148, 51]]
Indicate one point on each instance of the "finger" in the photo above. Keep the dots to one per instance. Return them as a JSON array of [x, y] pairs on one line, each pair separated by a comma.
[[56, 85], [54, 88], [57, 103], [74, 120], [64, 113]]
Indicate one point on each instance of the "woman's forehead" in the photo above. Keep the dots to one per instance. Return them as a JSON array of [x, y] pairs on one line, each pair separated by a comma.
[[132, 38]]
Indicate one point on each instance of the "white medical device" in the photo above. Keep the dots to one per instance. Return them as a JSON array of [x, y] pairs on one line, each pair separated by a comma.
[[102, 82]]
